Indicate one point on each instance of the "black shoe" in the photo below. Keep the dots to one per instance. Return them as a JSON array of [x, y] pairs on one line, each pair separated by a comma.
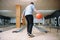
[[46, 31], [28, 33], [31, 35]]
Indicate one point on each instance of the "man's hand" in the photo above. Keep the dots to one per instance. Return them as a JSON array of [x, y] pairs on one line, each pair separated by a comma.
[[36, 11], [22, 17]]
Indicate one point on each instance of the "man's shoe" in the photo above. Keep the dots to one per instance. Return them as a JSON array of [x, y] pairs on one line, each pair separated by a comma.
[[46, 31], [31, 35]]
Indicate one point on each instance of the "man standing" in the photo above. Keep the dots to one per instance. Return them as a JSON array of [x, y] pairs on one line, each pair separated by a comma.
[[28, 13]]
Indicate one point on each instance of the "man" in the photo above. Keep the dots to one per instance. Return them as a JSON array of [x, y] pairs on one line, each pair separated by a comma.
[[28, 13]]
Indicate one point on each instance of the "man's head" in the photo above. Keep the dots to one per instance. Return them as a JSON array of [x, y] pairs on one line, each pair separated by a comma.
[[31, 3]]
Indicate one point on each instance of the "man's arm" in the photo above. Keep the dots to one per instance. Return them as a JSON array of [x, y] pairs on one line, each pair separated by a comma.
[[33, 7], [36, 11], [23, 14]]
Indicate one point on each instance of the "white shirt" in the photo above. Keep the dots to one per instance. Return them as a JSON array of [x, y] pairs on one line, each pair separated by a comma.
[[29, 10]]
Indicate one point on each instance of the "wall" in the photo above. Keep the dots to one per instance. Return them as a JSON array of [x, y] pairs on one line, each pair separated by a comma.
[[9, 5], [0, 3], [43, 4], [40, 5]]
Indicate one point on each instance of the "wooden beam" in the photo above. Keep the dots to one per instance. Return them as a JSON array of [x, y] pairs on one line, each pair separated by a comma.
[[18, 16]]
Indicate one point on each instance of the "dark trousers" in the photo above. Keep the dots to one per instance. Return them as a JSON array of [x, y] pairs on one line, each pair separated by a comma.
[[29, 19]]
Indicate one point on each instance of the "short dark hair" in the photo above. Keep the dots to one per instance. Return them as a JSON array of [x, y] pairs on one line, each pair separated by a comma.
[[31, 3]]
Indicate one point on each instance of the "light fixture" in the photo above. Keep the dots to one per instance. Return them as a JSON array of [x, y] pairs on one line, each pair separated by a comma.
[[5, 11]]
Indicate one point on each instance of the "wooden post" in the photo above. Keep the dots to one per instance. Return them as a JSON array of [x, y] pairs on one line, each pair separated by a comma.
[[18, 17]]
